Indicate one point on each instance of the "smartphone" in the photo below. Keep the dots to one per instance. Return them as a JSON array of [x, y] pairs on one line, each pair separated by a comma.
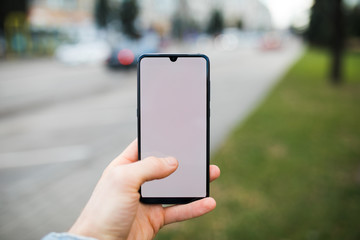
[[173, 120]]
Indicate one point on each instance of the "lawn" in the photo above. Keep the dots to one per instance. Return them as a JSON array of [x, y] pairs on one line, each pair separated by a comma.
[[292, 169]]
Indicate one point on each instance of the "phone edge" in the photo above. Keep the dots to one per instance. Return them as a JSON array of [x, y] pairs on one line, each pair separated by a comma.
[[176, 200]]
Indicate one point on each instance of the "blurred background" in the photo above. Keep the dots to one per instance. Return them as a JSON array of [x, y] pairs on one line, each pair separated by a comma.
[[284, 111]]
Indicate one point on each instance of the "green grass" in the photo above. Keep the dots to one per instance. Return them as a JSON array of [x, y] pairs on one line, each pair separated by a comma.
[[292, 170]]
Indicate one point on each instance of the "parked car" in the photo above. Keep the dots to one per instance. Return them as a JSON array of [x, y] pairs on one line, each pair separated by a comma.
[[271, 41], [89, 52], [126, 53], [85, 46]]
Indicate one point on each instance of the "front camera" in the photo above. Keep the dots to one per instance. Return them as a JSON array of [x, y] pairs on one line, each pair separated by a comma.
[[173, 59]]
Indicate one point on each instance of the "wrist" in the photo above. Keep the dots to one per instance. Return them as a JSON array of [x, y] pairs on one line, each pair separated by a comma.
[[81, 229], [87, 229]]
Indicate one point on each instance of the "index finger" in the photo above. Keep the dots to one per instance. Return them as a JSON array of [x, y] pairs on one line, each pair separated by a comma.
[[195, 209], [129, 155]]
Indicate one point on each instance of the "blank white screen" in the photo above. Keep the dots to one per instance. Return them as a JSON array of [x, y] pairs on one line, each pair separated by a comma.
[[173, 123]]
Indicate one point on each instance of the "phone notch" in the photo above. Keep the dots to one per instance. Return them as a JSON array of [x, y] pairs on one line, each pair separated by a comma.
[[173, 58]]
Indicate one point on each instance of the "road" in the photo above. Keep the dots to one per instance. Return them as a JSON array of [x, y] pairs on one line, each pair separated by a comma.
[[60, 126]]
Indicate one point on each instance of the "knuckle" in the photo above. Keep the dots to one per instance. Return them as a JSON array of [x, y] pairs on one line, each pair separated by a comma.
[[151, 158], [117, 175]]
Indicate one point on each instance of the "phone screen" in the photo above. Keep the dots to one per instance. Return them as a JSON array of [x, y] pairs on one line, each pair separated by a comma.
[[173, 120]]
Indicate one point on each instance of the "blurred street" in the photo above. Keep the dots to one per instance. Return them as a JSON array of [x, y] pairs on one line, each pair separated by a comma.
[[61, 125]]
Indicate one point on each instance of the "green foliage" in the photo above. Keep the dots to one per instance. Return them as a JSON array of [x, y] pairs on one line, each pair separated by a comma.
[[320, 30], [354, 21], [239, 24], [292, 170], [321, 26], [129, 10], [8, 7], [182, 26], [216, 22], [178, 27], [101, 13]]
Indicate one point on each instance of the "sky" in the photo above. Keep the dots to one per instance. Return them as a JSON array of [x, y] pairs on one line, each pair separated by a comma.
[[289, 12]]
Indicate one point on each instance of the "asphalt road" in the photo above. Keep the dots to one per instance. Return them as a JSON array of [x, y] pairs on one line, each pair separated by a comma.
[[60, 126]]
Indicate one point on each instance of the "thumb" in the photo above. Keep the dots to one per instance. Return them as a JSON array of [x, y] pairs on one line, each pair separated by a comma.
[[152, 168]]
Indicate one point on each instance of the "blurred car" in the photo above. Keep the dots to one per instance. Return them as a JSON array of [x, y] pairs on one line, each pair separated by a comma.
[[83, 52], [271, 41], [125, 54], [86, 47], [233, 38]]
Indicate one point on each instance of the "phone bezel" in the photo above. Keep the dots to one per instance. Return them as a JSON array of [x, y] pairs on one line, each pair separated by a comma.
[[176, 200]]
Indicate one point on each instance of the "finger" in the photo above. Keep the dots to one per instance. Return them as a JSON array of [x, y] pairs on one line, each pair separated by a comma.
[[214, 172], [129, 155], [152, 168], [195, 209]]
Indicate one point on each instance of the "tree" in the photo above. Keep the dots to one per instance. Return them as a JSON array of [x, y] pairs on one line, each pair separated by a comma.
[[354, 21], [178, 27], [101, 13], [8, 6], [240, 24], [128, 13], [183, 23], [319, 31], [326, 28], [216, 22], [337, 42]]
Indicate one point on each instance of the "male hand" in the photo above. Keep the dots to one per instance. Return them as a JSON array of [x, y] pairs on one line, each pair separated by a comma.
[[114, 210]]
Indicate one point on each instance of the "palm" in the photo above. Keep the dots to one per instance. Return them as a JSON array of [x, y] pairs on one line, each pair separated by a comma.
[[150, 218], [148, 221], [114, 210]]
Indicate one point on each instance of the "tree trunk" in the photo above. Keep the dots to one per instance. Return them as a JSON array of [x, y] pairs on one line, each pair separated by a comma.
[[337, 43]]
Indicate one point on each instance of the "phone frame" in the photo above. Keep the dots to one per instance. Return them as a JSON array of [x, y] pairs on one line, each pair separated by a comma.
[[176, 200]]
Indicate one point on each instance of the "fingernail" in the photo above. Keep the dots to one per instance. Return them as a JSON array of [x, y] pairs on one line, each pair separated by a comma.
[[171, 161]]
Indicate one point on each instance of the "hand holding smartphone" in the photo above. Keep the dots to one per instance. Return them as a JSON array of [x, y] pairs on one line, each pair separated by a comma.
[[173, 120]]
